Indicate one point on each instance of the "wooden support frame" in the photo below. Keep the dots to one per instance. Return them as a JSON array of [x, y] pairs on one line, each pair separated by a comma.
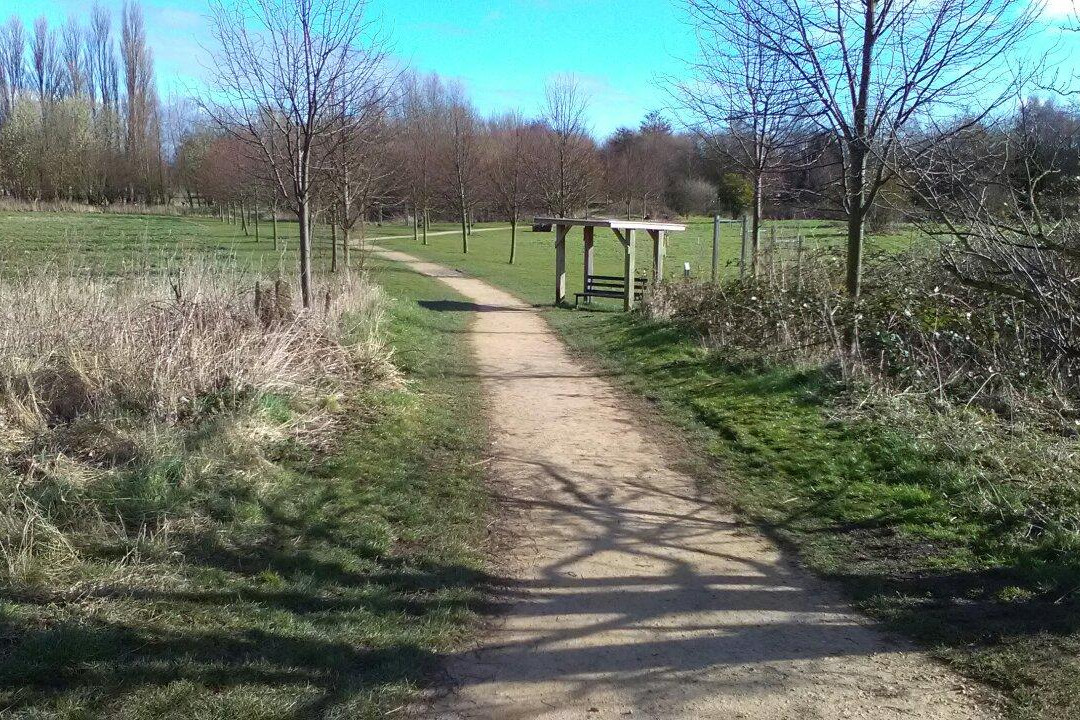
[[590, 239], [626, 231], [629, 241], [659, 251], [560, 263]]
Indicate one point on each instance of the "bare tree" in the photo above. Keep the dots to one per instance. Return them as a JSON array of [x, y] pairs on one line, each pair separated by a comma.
[[12, 63], [461, 135], [44, 61], [281, 72], [71, 59], [1003, 200], [141, 111], [867, 70], [507, 169], [743, 99], [360, 178], [564, 170], [100, 57]]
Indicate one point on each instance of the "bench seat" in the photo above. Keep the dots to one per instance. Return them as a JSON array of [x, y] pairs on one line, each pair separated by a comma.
[[610, 286]]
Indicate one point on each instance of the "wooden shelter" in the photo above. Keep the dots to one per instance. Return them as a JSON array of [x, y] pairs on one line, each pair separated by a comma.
[[625, 231]]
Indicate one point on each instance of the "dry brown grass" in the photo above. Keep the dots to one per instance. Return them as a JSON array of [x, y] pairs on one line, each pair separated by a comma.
[[120, 396]]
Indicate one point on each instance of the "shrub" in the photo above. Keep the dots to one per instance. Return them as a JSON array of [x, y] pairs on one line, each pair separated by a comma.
[[734, 195], [919, 328]]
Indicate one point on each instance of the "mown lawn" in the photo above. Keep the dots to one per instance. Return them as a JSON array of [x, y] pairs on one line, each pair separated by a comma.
[[532, 275], [324, 588], [116, 242], [922, 521]]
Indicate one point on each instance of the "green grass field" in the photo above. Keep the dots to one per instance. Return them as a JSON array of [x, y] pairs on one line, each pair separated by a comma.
[[532, 276], [118, 242], [328, 592]]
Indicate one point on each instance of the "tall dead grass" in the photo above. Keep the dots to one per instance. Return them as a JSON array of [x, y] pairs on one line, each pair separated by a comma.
[[122, 399]]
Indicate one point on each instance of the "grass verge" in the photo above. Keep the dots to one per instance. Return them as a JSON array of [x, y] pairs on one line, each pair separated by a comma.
[[316, 584]]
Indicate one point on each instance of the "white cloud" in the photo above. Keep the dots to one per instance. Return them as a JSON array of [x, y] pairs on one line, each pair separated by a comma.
[[1059, 8]]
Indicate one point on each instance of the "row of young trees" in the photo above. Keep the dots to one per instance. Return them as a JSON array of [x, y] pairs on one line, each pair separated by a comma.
[[429, 153], [79, 112]]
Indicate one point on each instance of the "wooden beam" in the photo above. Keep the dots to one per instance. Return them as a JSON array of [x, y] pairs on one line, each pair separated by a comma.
[[560, 263], [629, 271], [612, 224], [658, 254], [589, 240]]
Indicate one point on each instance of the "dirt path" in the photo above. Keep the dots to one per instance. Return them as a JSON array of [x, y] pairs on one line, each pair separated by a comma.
[[627, 593]]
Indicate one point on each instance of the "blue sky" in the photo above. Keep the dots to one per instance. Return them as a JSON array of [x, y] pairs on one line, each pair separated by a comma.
[[503, 50]]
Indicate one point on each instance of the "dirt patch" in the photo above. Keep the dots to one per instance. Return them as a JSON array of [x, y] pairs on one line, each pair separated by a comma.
[[628, 593]]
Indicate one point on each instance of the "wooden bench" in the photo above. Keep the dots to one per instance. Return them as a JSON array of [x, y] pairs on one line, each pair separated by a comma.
[[610, 286]]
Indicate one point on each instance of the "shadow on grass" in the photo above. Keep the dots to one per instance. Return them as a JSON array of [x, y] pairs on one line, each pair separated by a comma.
[[308, 606], [462, 306], [914, 535], [325, 594], [104, 661]]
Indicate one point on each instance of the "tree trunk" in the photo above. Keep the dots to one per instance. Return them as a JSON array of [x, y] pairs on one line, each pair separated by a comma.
[[346, 216], [856, 223], [304, 216], [345, 249], [464, 223], [755, 225], [427, 222], [273, 216], [256, 216], [363, 237], [513, 237], [859, 150], [333, 244]]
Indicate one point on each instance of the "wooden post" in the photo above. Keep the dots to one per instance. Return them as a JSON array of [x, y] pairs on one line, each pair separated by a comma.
[[589, 256], [715, 248], [333, 243], [745, 239], [273, 215], [772, 254], [629, 272], [798, 263], [658, 255], [560, 263]]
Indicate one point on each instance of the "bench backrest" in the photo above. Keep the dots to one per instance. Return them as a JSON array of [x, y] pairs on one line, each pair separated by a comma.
[[612, 282]]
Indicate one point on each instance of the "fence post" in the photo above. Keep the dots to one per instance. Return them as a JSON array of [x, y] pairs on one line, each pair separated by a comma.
[[772, 254], [798, 263], [715, 248], [745, 237]]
